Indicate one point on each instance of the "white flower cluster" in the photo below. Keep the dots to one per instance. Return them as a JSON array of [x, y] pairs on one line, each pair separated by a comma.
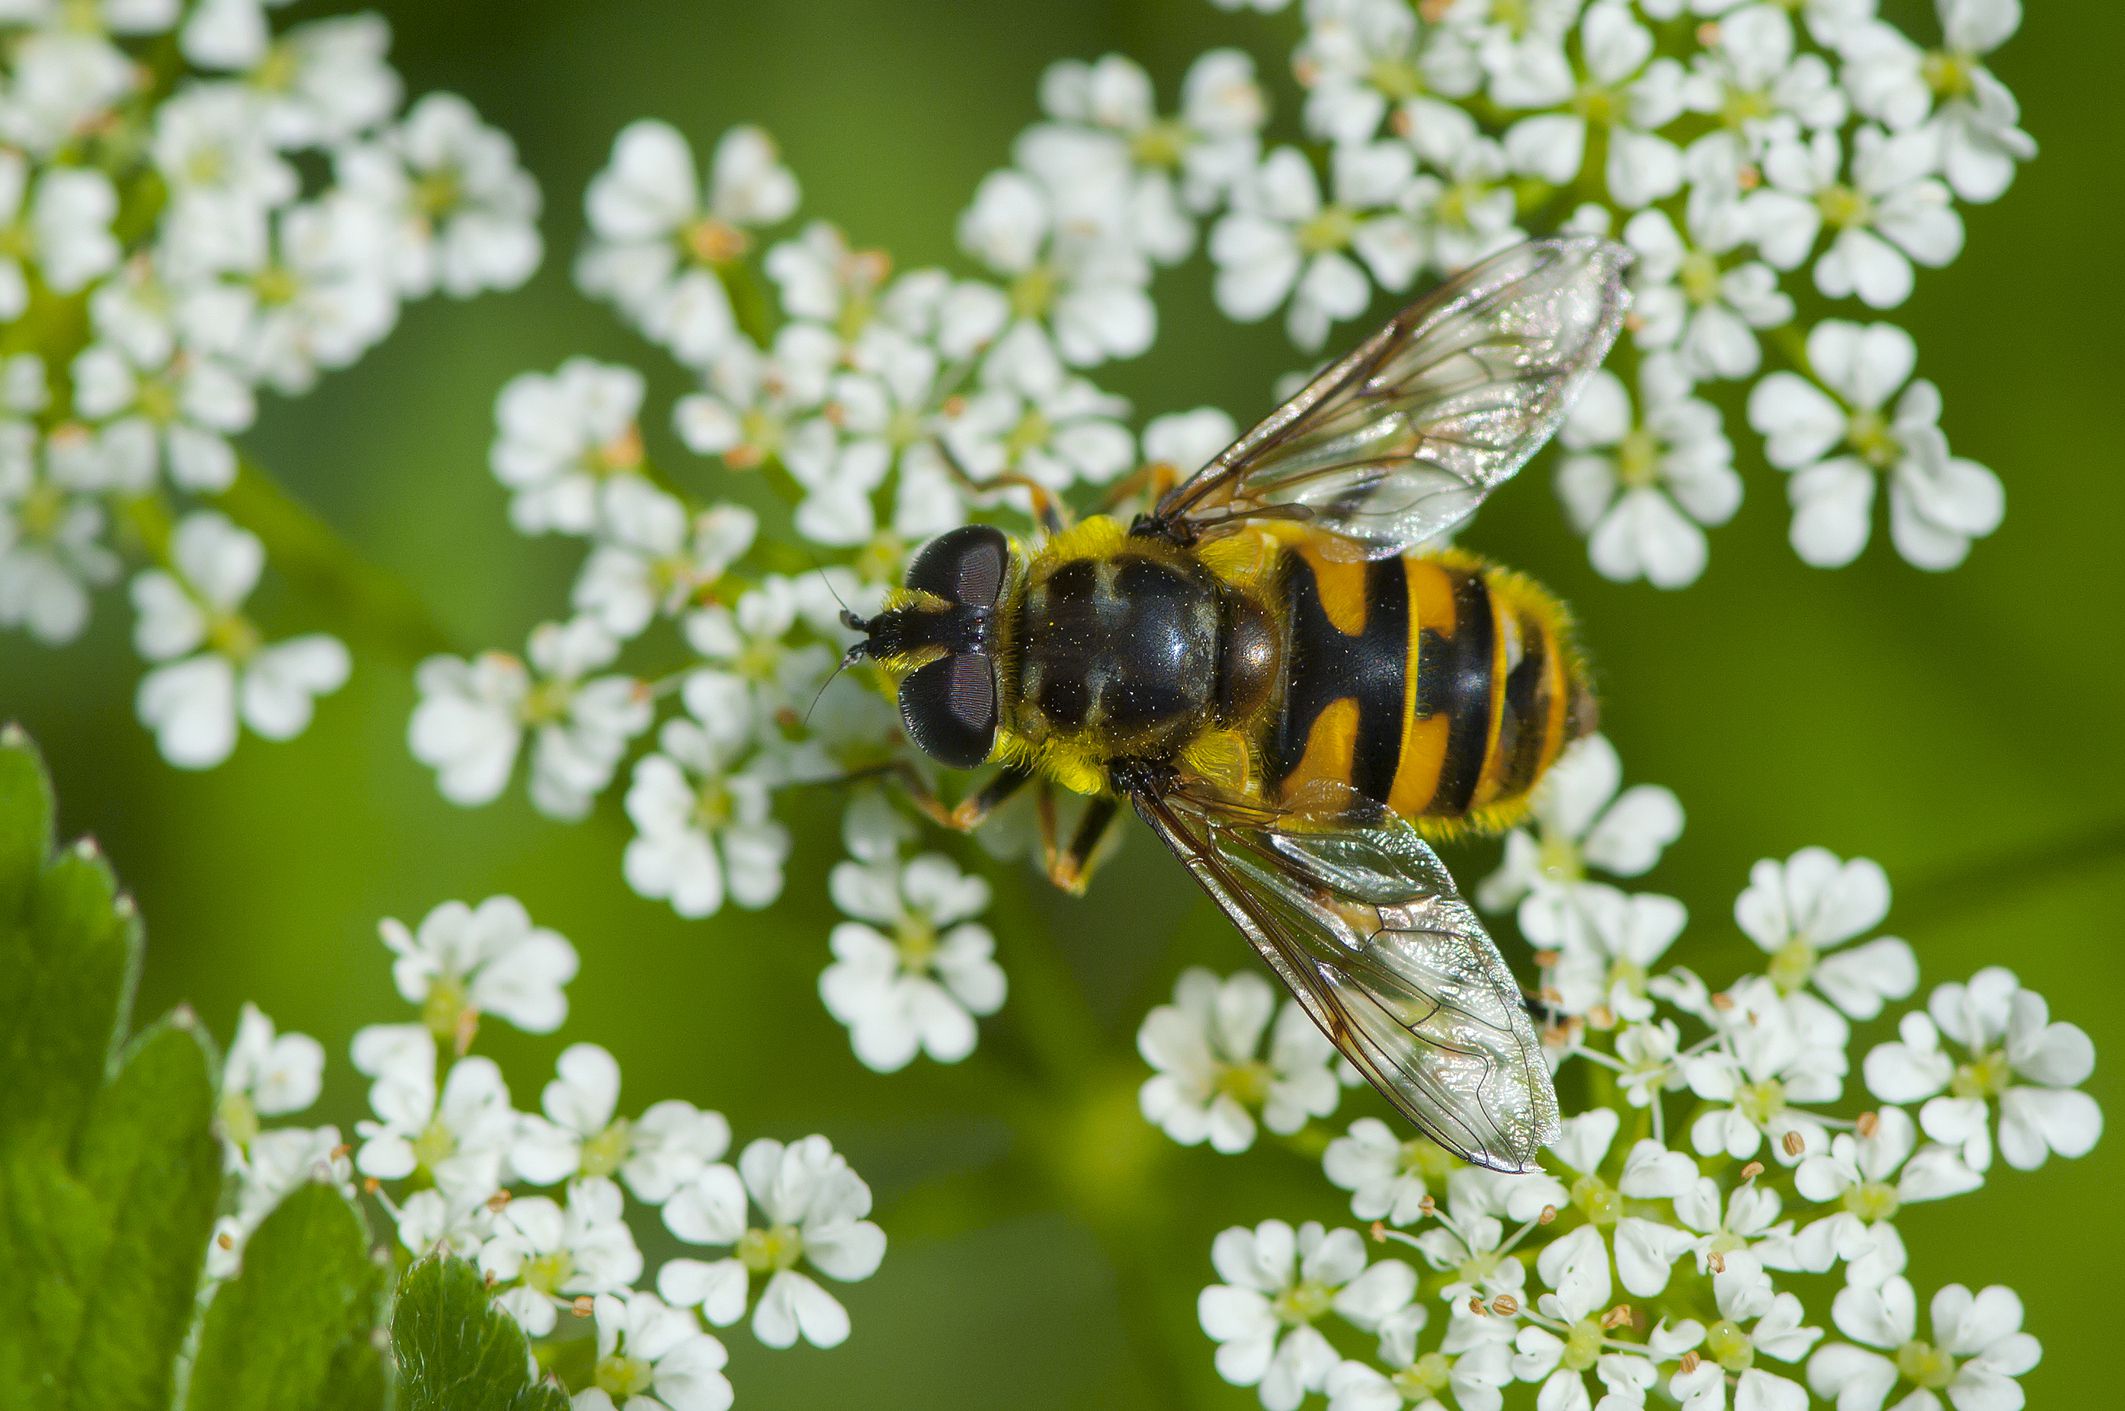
[[1718, 1155], [457, 1167], [1751, 152], [184, 221]]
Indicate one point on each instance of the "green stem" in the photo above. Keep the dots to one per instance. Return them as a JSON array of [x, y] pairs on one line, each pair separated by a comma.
[[363, 600]]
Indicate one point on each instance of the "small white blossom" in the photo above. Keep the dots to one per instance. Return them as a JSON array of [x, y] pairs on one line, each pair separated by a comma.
[[62, 225], [1388, 1176], [813, 1207], [1974, 1352], [2015, 1056], [265, 1074], [581, 1134], [581, 724], [1688, 298], [1640, 484], [1278, 1283], [1937, 503], [1754, 1322], [1890, 213], [1213, 1083], [662, 236], [1809, 904], [486, 960], [914, 978], [543, 1255], [1872, 1175], [1576, 1266], [456, 1135], [703, 830], [469, 723], [652, 1358], [218, 669], [558, 437]]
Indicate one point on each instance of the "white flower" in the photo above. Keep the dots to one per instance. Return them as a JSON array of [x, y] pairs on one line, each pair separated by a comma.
[[271, 1166], [1891, 212], [548, 1254], [218, 668], [756, 406], [1608, 943], [63, 227], [321, 299], [456, 1136], [223, 176], [1086, 285], [469, 724], [1625, 92], [1730, 1349], [1388, 1177], [1473, 1364], [1640, 485], [1283, 241], [662, 237], [581, 1135], [1686, 298], [1646, 1247], [227, 34], [581, 723], [1576, 1266], [1976, 1350], [558, 437], [1468, 1239], [916, 977], [652, 1358], [1279, 1282], [1872, 1175], [1741, 1236], [1752, 81], [651, 560], [171, 414], [1362, 58], [1469, 211], [1963, 106], [702, 826], [2016, 1056], [51, 554], [428, 1222], [1776, 1052], [463, 215], [1581, 821], [750, 644], [326, 81], [62, 84], [1937, 503], [1812, 902], [1032, 416], [265, 1075], [486, 960], [813, 1207], [1211, 1085]]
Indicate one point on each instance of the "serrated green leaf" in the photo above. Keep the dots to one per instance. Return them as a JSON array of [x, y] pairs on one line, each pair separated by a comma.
[[456, 1351], [51, 1235], [25, 818], [66, 959], [295, 1328], [149, 1157]]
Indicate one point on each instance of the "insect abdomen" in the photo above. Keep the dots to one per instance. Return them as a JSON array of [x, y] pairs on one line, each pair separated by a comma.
[[1438, 685]]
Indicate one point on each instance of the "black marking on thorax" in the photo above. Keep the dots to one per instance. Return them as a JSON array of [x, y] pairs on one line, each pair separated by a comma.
[[1328, 665], [1126, 643]]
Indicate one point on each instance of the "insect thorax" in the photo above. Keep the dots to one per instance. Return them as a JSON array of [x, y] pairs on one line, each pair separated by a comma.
[[1131, 647]]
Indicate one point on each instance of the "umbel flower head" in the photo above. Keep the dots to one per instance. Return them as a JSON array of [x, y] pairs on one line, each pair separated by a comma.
[[196, 208]]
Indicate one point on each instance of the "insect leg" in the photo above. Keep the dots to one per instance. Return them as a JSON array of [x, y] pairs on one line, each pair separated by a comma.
[[976, 807], [1071, 869], [1151, 481], [1047, 509]]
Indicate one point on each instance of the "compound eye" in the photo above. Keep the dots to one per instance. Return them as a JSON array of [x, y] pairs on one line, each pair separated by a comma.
[[949, 708], [964, 565]]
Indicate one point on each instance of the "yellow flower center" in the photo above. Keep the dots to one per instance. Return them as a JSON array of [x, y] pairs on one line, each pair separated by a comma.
[[1033, 292], [1304, 1302], [435, 1145], [1869, 435], [623, 1375], [1871, 1200], [1699, 276], [1792, 964], [1986, 1075], [1582, 1344], [772, 1250], [232, 635], [1638, 459], [1924, 1365], [1950, 76], [444, 1008], [916, 940], [1161, 144], [714, 242], [1760, 1102], [1425, 1378], [1329, 231], [606, 1152], [42, 511], [1843, 207], [1729, 1346], [239, 1119], [1598, 1199], [1246, 1083]]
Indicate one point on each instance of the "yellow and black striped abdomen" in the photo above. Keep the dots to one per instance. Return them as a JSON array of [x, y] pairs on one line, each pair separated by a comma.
[[1437, 684]]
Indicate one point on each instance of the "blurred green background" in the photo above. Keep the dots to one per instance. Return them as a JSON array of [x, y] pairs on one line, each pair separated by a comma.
[[1962, 729]]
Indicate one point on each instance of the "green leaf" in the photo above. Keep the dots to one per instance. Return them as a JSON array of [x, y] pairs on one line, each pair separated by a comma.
[[296, 1328], [149, 1158], [456, 1351], [68, 947]]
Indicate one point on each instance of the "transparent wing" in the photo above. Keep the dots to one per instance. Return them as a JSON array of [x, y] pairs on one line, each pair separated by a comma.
[[1360, 920], [1402, 439]]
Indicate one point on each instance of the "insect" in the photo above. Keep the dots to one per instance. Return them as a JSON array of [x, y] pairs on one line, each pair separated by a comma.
[[1293, 692]]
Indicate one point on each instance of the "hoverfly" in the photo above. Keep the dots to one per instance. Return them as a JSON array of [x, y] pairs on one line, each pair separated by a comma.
[[1277, 675]]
